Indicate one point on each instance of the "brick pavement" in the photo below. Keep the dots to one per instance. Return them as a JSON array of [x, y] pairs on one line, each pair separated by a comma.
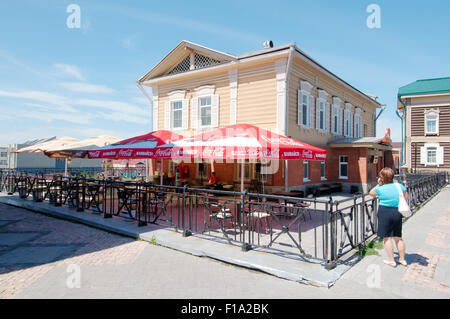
[[86, 246], [120, 267]]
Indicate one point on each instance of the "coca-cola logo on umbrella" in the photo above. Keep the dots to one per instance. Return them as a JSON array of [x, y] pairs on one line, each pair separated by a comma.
[[165, 152], [94, 154], [307, 154], [125, 153]]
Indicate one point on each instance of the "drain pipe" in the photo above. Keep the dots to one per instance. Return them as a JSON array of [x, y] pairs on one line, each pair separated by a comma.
[[139, 85], [403, 118], [403, 153], [286, 112]]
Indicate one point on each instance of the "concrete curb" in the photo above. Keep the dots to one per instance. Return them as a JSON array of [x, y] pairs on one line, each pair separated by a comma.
[[294, 269]]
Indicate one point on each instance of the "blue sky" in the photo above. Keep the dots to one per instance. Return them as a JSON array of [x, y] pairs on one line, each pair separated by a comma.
[[81, 82]]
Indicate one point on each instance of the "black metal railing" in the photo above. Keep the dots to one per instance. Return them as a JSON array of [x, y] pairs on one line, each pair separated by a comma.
[[321, 229]]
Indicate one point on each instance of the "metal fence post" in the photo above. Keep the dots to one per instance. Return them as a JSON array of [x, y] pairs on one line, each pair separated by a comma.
[[186, 232], [331, 262]]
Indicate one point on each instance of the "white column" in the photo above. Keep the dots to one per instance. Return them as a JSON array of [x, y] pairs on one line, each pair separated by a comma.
[[233, 75], [281, 76]]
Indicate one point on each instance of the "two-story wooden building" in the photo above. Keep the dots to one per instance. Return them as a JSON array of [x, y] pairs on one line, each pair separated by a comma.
[[426, 132], [281, 89]]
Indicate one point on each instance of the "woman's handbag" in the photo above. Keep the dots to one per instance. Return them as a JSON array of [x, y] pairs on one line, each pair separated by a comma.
[[403, 206]]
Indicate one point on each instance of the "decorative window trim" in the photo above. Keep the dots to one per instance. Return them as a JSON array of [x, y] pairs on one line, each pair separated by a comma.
[[201, 92], [211, 96], [306, 87], [439, 154], [205, 90], [305, 90], [432, 112], [323, 94], [176, 96]]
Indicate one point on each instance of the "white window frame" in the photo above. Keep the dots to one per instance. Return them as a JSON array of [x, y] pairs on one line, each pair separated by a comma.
[[323, 177], [205, 92], [336, 113], [307, 178], [357, 126], [348, 123], [439, 154], [174, 97], [172, 114], [321, 108], [431, 112], [211, 97], [340, 163], [305, 91], [428, 151]]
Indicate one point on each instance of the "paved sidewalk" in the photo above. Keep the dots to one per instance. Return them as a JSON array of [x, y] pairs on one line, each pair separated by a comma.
[[292, 267], [36, 252], [427, 239]]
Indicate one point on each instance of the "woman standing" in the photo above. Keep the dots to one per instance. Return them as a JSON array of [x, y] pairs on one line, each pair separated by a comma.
[[389, 218]]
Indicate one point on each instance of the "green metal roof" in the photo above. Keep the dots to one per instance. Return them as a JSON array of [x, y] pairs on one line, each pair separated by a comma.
[[426, 86]]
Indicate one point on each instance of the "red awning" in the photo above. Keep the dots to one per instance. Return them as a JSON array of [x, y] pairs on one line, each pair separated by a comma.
[[142, 146], [240, 141]]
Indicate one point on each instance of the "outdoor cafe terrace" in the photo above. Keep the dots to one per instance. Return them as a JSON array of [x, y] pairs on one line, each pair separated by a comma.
[[317, 229]]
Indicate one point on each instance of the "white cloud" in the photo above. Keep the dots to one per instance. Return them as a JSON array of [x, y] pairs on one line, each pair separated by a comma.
[[87, 88], [141, 100], [117, 106], [65, 108], [70, 70], [127, 117], [45, 116], [41, 96], [13, 60]]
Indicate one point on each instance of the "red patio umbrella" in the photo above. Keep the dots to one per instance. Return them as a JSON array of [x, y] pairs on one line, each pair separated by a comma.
[[142, 146], [240, 141]]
